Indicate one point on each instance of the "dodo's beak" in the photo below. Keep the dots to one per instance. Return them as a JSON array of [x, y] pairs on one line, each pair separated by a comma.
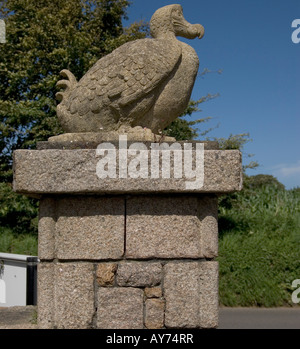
[[199, 29], [184, 28]]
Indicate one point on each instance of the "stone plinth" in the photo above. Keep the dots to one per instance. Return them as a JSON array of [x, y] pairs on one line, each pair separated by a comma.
[[73, 171], [124, 252]]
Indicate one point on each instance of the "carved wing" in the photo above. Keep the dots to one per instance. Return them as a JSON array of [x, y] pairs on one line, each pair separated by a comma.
[[124, 76]]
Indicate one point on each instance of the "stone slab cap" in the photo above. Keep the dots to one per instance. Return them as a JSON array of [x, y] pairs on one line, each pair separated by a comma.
[[76, 171]]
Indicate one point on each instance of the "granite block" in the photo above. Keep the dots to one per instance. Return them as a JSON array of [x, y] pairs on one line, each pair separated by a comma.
[[105, 274], [139, 274], [181, 292], [65, 171], [65, 295], [209, 294], [191, 294], [153, 292], [46, 228], [81, 228], [45, 295], [74, 295], [120, 308], [171, 226], [154, 313]]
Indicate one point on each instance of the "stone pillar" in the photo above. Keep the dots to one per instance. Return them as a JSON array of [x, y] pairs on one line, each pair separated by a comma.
[[124, 253]]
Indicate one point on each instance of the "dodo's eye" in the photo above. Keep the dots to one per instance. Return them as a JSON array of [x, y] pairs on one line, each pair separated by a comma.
[[177, 12]]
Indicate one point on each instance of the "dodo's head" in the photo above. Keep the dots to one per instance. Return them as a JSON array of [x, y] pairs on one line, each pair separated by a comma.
[[169, 21]]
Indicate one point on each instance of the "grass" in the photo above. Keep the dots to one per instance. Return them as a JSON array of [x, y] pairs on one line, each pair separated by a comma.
[[259, 247]]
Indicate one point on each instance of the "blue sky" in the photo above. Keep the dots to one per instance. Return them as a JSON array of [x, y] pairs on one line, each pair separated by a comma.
[[251, 42]]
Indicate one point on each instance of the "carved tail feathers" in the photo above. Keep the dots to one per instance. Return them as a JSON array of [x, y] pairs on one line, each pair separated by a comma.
[[63, 114], [66, 84]]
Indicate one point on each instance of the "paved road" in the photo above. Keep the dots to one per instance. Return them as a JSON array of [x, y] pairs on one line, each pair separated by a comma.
[[230, 318], [18, 317], [259, 318]]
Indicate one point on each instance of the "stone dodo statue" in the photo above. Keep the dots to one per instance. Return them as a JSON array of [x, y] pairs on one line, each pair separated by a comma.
[[146, 82]]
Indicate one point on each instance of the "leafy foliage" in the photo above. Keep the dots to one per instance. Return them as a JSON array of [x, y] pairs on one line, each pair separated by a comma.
[[182, 129], [259, 232], [19, 244], [17, 212], [261, 180]]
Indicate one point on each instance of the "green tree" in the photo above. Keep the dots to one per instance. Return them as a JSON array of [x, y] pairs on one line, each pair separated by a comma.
[[42, 38], [261, 180]]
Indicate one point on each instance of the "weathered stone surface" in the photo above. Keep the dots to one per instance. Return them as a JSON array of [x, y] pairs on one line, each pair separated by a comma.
[[191, 294], [74, 295], [56, 171], [65, 295], [181, 291], [162, 227], [105, 274], [46, 228], [45, 299], [171, 227], [139, 274], [209, 294], [154, 313], [208, 216], [120, 308], [153, 292], [146, 82], [89, 228]]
